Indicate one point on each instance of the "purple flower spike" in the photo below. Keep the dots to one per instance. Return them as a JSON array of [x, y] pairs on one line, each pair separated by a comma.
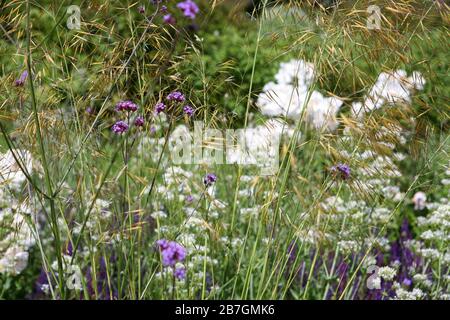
[[139, 122], [120, 127], [343, 170], [169, 19], [21, 81], [171, 252], [189, 7], [176, 96], [209, 179], [188, 110], [126, 106], [160, 107]]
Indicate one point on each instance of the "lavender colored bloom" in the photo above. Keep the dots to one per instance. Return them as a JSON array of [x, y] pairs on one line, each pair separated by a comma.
[[176, 96], [152, 130], [139, 121], [188, 110], [171, 252], [141, 9], [89, 110], [160, 107], [189, 198], [21, 81], [407, 282], [126, 106], [169, 19], [69, 249], [292, 251], [120, 127], [180, 273], [163, 9], [41, 284], [209, 179], [342, 169], [189, 7]]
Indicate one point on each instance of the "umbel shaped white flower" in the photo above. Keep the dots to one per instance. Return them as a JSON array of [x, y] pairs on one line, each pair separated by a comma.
[[290, 96]]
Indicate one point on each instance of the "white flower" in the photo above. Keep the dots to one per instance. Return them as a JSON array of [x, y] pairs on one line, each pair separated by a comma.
[[387, 273], [159, 215], [432, 254], [289, 96], [282, 100], [321, 111], [415, 294], [390, 88], [14, 261], [10, 171], [419, 200], [296, 72]]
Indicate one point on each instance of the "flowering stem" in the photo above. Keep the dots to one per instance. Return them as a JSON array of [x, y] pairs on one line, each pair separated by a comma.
[[40, 141], [152, 185]]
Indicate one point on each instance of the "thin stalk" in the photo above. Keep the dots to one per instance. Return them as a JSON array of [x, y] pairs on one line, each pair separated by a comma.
[[40, 141]]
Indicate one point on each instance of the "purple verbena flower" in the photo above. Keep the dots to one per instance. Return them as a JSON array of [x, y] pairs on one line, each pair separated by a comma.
[[176, 96], [209, 179], [342, 169], [160, 107], [169, 19], [120, 127], [126, 106], [189, 198], [69, 249], [21, 81], [171, 252], [163, 9], [139, 121], [189, 7], [406, 282], [188, 110], [180, 273]]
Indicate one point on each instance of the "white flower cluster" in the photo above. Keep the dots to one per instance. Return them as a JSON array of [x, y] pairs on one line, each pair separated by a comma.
[[72, 273], [389, 89], [259, 145], [351, 220], [376, 170], [10, 172], [16, 234], [402, 294], [437, 224], [291, 96], [387, 273]]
